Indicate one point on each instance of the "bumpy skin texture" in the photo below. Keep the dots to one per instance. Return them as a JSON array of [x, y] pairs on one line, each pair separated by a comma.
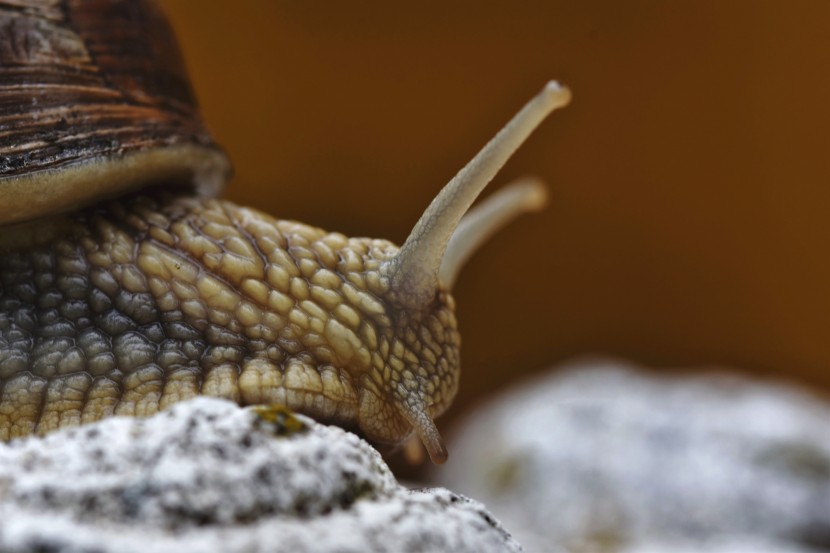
[[133, 305]]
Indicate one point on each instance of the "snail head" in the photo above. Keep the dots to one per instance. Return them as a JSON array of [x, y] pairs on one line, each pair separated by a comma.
[[415, 369]]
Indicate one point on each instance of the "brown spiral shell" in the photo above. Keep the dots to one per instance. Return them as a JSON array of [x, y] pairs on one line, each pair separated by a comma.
[[94, 102]]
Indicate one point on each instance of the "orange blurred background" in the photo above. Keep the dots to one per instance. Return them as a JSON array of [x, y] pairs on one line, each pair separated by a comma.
[[689, 177]]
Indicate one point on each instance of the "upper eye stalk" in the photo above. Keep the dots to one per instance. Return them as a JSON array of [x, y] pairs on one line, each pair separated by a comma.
[[443, 239]]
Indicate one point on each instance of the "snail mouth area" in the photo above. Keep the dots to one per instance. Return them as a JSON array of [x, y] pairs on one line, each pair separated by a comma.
[[380, 421]]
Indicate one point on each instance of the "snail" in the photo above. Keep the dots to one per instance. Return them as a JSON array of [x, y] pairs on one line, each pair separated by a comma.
[[126, 285]]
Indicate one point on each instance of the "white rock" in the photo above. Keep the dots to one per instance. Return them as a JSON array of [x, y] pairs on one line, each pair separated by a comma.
[[721, 544], [209, 476], [603, 457]]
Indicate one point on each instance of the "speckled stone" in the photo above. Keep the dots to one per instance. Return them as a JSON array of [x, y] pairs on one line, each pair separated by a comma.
[[602, 456], [207, 475]]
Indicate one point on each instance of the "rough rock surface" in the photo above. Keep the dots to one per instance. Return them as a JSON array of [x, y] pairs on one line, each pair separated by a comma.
[[602, 457], [209, 476]]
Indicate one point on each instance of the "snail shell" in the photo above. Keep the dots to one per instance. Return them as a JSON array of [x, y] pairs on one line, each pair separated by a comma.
[[95, 103], [125, 287]]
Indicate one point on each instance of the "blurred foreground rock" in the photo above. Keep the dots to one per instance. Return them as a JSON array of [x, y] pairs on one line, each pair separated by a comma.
[[603, 457], [208, 476]]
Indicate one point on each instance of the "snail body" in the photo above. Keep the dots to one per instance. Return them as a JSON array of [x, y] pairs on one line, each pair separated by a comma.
[[125, 286], [158, 297]]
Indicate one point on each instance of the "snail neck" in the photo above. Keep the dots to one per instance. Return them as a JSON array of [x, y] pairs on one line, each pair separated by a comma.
[[33, 234]]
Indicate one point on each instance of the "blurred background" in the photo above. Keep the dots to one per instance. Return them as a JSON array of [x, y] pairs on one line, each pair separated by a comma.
[[688, 222]]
